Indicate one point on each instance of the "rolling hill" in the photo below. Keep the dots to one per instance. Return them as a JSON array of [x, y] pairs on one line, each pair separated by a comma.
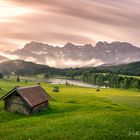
[[22, 67], [128, 69], [75, 113]]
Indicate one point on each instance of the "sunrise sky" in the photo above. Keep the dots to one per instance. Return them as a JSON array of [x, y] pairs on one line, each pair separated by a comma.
[[77, 21]]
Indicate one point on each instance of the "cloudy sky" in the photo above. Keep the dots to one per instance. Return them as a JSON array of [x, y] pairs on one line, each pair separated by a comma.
[[77, 21]]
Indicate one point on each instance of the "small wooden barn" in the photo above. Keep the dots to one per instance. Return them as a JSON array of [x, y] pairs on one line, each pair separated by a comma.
[[26, 100]]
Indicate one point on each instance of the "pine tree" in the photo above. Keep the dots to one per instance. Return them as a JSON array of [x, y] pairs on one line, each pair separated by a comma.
[[1, 76], [18, 79]]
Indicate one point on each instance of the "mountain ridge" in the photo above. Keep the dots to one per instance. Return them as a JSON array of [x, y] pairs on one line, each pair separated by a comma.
[[71, 55]]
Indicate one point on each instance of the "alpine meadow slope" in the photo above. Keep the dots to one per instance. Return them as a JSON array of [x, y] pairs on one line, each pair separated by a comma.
[[75, 113]]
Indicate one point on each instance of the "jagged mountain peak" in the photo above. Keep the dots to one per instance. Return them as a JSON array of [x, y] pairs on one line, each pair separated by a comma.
[[101, 44], [33, 43], [122, 43], [68, 44], [79, 55], [114, 44], [88, 45], [36, 46]]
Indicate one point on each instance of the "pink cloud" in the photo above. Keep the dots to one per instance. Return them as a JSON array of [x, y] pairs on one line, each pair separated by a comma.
[[81, 21]]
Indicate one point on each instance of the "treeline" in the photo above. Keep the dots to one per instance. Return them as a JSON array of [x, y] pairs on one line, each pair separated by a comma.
[[132, 69], [124, 69], [111, 80], [48, 71], [23, 68]]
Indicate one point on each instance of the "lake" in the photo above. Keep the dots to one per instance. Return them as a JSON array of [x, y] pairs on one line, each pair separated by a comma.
[[70, 82], [62, 81]]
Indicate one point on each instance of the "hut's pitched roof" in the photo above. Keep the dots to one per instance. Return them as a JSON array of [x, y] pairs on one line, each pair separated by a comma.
[[34, 95]]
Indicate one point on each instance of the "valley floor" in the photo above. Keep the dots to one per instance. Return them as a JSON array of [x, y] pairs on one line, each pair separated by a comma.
[[75, 113]]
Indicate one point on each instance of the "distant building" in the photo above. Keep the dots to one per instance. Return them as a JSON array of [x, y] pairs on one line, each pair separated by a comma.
[[26, 100]]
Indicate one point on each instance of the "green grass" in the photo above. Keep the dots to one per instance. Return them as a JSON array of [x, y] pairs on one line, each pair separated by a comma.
[[75, 113]]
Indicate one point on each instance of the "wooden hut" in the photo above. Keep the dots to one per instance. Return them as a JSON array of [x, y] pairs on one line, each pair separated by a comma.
[[26, 100]]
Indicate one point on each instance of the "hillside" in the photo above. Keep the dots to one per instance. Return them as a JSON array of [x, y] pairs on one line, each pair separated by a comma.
[[75, 113], [125, 69], [22, 67]]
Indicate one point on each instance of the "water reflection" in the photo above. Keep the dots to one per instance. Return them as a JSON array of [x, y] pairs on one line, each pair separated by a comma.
[[70, 82]]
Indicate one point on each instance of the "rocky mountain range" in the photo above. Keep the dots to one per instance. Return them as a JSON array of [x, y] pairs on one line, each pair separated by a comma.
[[71, 55]]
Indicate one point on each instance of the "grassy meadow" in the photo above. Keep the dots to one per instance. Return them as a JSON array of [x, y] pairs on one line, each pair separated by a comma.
[[75, 113]]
